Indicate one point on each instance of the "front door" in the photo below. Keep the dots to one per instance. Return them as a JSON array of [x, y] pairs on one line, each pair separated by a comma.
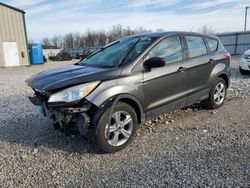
[[165, 87]]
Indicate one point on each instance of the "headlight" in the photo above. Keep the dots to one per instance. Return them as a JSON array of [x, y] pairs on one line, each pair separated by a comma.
[[73, 93]]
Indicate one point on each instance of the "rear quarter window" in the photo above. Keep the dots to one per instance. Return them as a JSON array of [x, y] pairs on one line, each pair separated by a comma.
[[196, 46], [212, 44]]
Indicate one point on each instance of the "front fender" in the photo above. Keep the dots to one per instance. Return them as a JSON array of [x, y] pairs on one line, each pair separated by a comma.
[[130, 86], [99, 98], [112, 90]]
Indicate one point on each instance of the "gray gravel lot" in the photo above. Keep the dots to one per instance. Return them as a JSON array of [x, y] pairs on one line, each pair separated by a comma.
[[187, 148]]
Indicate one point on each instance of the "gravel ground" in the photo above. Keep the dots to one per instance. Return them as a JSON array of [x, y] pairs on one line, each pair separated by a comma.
[[190, 147]]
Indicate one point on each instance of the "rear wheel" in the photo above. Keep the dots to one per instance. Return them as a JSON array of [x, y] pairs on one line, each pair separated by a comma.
[[121, 130], [217, 94], [244, 72]]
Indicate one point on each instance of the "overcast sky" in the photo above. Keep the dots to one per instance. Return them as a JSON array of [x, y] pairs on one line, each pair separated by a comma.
[[45, 18]]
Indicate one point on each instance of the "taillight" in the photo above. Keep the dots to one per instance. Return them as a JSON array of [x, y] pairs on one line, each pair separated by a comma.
[[227, 55]]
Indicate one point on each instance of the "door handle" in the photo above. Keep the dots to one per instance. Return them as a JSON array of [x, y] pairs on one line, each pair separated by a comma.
[[181, 69]]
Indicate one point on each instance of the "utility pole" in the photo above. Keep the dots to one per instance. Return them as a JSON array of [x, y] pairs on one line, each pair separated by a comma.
[[245, 27]]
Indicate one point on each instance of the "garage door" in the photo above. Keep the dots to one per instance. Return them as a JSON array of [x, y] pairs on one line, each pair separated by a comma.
[[10, 52]]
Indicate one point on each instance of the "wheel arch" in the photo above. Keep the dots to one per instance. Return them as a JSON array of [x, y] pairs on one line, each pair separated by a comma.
[[136, 106], [225, 78], [220, 71], [132, 101], [126, 98]]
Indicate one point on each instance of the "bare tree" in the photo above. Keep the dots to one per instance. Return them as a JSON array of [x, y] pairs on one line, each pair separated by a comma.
[[101, 38], [61, 41], [128, 31], [46, 42], [206, 29], [91, 38], [142, 30], [56, 41], [68, 40], [77, 40], [116, 32], [160, 30], [83, 41]]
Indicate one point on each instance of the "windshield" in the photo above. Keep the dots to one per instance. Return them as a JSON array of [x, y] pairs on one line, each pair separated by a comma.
[[110, 56]]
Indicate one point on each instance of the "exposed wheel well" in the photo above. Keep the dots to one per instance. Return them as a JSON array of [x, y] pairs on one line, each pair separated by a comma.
[[225, 77], [134, 105]]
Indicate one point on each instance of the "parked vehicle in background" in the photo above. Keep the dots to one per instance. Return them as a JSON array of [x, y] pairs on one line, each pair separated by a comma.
[[87, 52], [79, 56], [136, 78], [245, 63], [81, 53], [62, 56]]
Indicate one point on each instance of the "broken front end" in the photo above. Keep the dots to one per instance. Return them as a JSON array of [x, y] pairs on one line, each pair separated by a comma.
[[68, 108]]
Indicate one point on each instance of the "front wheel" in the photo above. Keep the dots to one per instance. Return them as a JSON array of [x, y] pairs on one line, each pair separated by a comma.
[[121, 130], [217, 94]]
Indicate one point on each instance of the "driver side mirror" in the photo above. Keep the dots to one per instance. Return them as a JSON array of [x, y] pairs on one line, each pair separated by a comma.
[[154, 62]]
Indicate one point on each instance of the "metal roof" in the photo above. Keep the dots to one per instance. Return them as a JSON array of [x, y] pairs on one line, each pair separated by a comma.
[[13, 8]]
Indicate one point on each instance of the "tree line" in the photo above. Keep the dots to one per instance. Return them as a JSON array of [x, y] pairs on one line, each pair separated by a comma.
[[90, 38], [99, 38]]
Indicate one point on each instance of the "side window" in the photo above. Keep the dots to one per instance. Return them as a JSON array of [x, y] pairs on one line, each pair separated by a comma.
[[169, 49], [212, 44], [196, 46]]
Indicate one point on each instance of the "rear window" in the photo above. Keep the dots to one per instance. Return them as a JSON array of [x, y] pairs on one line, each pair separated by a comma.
[[196, 46], [212, 44]]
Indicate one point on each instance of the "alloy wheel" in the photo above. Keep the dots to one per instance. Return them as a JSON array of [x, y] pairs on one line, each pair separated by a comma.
[[120, 128], [219, 93]]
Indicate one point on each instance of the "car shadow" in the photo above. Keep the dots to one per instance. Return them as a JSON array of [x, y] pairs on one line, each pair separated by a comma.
[[21, 123], [34, 131]]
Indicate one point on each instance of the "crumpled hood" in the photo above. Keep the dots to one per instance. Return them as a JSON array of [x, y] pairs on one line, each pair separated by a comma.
[[69, 75]]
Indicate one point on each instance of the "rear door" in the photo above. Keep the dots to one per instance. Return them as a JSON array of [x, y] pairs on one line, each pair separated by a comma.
[[199, 67], [165, 87]]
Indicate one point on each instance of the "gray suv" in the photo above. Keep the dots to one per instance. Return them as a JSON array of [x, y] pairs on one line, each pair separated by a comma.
[[105, 96]]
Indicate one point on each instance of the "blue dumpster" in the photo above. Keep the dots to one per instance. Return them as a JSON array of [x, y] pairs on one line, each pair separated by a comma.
[[36, 53]]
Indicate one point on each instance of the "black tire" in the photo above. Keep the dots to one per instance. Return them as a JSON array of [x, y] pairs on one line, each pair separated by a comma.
[[243, 72], [100, 132], [210, 102]]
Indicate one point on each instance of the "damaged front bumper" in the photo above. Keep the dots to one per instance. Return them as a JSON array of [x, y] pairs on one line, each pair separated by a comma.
[[71, 118]]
